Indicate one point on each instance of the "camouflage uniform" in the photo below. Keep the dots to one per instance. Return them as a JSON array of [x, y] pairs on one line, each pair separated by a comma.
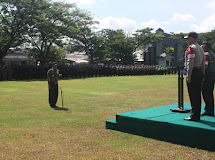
[[53, 75], [208, 84]]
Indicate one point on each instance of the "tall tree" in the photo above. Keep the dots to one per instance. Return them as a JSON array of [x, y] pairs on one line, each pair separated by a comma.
[[86, 39], [209, 37], [120, 47], [14, 20], [50, 28], [145, 37]]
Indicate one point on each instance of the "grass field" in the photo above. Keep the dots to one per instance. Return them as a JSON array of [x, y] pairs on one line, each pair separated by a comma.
[[30, 129]]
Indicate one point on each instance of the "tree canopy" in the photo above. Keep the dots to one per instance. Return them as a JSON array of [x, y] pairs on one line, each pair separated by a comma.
[[39, 24], [44, 28], [14, 24]]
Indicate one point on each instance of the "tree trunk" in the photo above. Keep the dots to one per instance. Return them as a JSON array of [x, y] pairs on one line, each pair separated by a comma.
[[1, 58], [91, 58], [2, 54]]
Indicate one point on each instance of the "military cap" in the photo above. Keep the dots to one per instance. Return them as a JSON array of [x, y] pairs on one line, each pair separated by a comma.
[[192, 34]]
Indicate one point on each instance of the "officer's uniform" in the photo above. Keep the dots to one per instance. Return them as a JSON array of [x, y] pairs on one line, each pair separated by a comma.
[[195, 65], [53, 75], [208, 84]]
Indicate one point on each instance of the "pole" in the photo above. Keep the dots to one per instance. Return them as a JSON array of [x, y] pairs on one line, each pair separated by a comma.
[[182, 91], [180, 108], [61, 96], [179, 91]]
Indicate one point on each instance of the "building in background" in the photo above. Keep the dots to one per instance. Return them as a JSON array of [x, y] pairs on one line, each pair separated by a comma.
[[165, 60], [77, 58], [154, 55], [19, 58]]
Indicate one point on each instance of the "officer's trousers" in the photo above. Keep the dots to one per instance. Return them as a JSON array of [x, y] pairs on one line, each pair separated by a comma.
[[53, 94], [207, 91], [194, 90]]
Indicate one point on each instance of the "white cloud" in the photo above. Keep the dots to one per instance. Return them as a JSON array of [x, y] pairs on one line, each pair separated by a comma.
[[206, 25], [182, 18], [117, 23], [83, 2], [177, 22], [152, 24], [210, 5]]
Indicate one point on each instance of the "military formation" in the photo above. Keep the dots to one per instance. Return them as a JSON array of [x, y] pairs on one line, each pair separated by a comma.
[[26, 72]]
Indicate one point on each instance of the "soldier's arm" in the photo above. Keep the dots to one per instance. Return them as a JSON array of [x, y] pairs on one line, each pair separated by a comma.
[[49, 82], [48, 78], [206, 61], [190, 63], [203, 65]]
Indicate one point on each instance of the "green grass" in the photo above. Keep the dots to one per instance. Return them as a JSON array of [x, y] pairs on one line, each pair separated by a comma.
[[30, 129]]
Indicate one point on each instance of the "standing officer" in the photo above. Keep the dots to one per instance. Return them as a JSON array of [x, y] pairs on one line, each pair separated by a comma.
[[53, 75], [195, 65], [209, 80]]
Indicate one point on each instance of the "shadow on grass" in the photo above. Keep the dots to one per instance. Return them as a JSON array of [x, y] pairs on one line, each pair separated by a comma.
[[60, 108]]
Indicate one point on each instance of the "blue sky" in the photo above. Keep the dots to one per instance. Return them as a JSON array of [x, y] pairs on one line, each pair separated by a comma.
[[170, 15]]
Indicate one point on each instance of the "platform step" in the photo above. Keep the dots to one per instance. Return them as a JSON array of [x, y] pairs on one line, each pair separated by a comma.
[[162, 124]]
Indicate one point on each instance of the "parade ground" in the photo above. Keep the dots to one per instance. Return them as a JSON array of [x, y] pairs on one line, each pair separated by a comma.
[[30, 129]]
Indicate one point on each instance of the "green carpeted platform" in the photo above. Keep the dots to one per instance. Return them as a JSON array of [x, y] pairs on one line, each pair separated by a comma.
[[162, 124]]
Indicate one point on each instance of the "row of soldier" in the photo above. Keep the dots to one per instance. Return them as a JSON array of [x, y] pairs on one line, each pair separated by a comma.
[[25, 72]]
